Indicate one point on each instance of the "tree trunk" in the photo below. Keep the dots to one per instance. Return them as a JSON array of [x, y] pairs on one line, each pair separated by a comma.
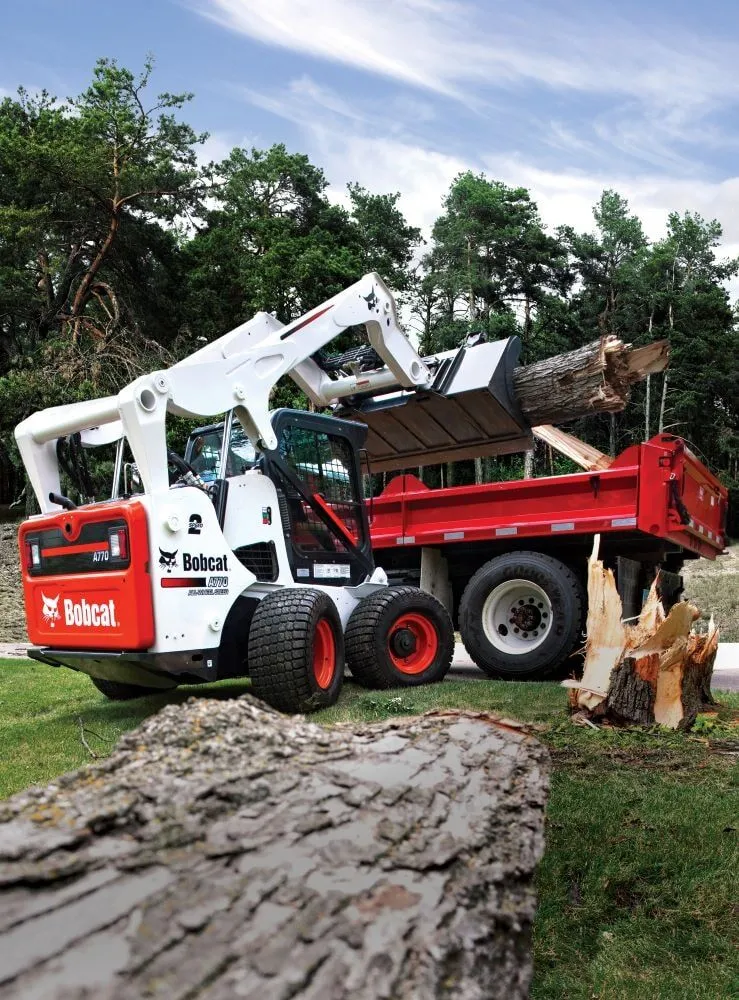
[[646, 408], [657, 671], [662, 403], [593, 379], [528, 464], [225, 850], [83, 292]]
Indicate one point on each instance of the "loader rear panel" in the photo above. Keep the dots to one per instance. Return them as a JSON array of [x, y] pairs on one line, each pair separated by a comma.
[[86, 581]]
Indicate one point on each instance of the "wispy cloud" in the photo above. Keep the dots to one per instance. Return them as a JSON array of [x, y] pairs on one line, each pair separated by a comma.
[[644, 93], [444, 44]]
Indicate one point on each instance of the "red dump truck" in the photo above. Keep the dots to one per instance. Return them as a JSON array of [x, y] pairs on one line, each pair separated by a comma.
[[509, 559]]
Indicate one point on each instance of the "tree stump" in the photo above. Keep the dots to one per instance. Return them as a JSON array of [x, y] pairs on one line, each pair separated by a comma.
[[655, 671], [227, 851]]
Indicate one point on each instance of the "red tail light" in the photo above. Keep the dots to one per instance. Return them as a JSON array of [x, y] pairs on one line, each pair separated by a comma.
[[118, 543], [33, 555]]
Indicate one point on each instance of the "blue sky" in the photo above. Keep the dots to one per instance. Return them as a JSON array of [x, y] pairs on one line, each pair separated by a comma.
[[565, 98]]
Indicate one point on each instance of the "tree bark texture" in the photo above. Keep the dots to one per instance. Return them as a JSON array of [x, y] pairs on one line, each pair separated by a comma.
[[593, 379], [226, 851], [655, 671]]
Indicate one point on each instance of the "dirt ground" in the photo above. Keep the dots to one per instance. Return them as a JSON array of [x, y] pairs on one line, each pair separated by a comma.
[[12, 621], [712, 586]]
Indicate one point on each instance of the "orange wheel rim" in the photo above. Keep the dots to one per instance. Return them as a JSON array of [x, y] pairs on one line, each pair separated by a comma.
[[413, 643], [324, 654]]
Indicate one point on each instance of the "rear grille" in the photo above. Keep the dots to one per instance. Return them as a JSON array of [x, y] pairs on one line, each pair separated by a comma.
[[260, 559]]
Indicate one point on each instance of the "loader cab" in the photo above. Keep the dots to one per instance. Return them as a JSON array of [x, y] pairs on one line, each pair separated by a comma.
[[316, 472], [204, 447]]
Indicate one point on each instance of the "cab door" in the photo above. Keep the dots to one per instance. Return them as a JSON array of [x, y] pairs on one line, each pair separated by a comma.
[[315, 469]]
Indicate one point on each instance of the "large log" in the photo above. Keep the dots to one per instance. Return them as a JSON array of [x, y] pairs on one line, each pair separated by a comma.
[[596, 378], [657, 670], [226, 851], [481, 407]]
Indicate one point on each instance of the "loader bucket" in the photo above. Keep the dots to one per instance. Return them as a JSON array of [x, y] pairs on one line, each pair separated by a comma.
[[470, 411]]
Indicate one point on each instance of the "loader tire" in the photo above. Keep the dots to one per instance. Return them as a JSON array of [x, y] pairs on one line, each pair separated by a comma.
[[399, 637], [296, 650], [116, 691], [521, 616]]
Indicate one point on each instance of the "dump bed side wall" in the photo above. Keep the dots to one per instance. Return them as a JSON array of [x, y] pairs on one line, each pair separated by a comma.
[[555, 507], [636, 493]]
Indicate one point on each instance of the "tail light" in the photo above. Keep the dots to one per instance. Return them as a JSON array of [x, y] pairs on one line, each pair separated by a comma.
[[33, 555], [118, 543]]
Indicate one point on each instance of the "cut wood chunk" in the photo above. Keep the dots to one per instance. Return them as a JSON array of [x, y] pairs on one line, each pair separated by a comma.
[[655, 671]]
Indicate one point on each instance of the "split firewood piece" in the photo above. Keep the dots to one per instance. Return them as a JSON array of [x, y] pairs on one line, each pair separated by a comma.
[[585, 455], [657, 670]]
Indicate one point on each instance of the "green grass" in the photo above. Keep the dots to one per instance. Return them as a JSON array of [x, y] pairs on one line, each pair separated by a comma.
[[637, 897]]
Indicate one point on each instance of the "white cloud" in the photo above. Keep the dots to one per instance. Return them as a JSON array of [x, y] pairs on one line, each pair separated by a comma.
[[216, 147], [423, 176], [442, 45]]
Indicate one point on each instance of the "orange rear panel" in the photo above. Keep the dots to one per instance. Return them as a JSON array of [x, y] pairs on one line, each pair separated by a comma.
[[79, 597]]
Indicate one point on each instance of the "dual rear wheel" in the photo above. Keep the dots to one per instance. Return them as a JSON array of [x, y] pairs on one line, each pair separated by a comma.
[[396, 637]]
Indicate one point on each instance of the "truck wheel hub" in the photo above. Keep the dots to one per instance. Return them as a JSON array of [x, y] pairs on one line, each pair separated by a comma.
[[517, 616], [526, 618]]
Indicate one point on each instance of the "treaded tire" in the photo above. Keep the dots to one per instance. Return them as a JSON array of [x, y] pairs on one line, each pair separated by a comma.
[[565, 595], [369, 634], [285, 637], [116, 691]]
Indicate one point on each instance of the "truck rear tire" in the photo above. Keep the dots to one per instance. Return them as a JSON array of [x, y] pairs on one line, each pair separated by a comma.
[[521, 616], [399, 637], [296, 650], [116, 691]]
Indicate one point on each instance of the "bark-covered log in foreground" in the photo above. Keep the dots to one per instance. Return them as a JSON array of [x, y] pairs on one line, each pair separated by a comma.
[[227, 851], [655, 671], [593, 379]]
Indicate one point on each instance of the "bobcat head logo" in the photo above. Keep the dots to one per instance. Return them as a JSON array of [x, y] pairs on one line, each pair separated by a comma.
[[370, 299], [50, 610], [168, 559]]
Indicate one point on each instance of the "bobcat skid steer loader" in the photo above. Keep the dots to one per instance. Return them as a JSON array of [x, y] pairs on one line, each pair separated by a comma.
[[266, 570]]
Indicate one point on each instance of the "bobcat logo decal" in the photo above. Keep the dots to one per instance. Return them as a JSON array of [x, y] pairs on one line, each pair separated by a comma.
[[168, 559], [50, 610], [370, 299]]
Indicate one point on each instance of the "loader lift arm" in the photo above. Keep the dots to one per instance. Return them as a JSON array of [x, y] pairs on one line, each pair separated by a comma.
[[237, 371]]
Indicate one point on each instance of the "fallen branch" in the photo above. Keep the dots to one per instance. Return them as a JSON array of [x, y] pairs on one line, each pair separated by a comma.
[[85, 744]]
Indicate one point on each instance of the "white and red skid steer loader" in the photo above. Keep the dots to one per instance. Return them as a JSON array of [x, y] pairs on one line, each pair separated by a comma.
[[264, 571]]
